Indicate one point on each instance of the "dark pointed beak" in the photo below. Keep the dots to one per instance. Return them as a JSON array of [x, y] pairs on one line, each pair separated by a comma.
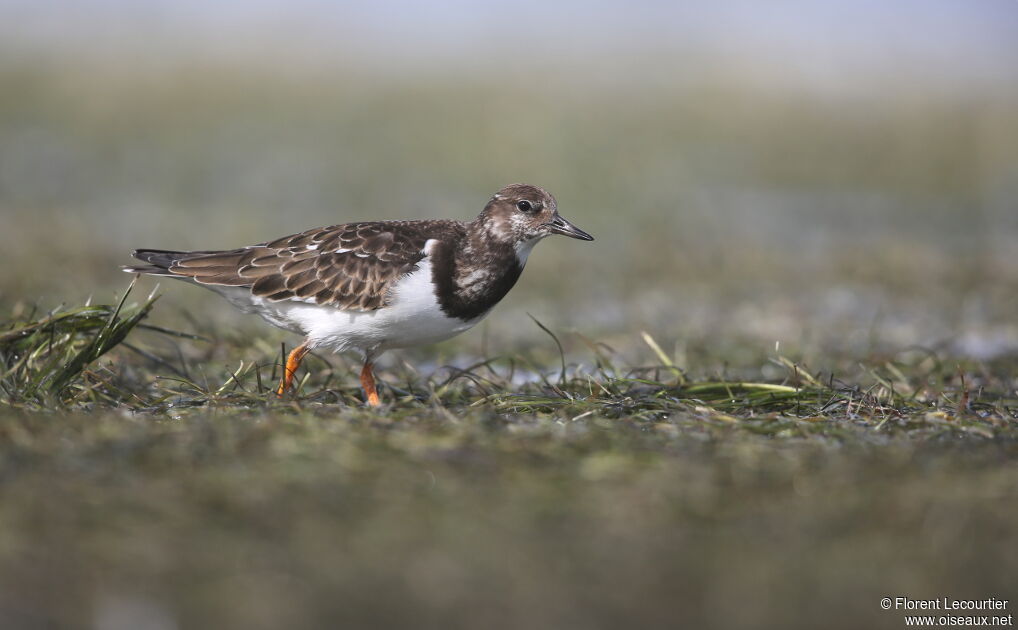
[[559, 225]]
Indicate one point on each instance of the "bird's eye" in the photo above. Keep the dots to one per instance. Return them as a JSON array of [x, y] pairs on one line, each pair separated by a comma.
[[525, 205]]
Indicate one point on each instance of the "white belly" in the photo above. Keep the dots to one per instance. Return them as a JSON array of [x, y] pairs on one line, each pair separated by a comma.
[[412, 318]]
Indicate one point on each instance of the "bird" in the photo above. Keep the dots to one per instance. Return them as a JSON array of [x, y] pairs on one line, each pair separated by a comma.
[[374, 286]]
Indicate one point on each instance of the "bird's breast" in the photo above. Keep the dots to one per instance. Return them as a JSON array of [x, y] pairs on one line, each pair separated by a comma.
[[469, 282]]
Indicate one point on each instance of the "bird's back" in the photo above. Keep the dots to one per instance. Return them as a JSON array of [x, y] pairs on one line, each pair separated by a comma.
[[352, 266]]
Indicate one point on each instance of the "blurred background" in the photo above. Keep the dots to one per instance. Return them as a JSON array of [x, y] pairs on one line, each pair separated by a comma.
[[838, 176]]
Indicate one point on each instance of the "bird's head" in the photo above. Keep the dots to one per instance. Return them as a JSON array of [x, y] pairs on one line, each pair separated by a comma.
[[522, 215]]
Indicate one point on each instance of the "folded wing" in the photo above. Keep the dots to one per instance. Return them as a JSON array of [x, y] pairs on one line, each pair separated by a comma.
[[352, 266]]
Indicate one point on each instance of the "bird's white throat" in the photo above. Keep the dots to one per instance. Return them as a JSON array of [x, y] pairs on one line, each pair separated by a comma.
[[523, 249]]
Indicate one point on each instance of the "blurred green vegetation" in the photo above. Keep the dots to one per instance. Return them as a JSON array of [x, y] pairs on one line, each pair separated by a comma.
[[723, 204], [342, 518]]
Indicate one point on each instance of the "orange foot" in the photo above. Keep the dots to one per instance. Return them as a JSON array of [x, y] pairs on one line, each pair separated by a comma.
[[368, 383], [292, 363]]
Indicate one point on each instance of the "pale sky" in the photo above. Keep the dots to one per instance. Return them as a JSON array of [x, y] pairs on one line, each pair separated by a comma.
[[971, 39]]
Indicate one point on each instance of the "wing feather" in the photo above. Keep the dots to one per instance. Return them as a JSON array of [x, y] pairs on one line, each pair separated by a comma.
[[350, 266]]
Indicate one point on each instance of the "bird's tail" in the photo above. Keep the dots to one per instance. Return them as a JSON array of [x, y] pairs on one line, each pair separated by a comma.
[[159, 261]]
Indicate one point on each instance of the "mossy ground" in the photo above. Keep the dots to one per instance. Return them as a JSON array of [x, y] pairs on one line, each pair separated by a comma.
[[591, 497]]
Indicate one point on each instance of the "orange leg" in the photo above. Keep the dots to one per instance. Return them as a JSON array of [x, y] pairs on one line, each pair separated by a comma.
[[368, 383], [292, 363]]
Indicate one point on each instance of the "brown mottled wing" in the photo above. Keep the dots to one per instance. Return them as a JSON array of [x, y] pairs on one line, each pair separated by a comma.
[[350, 266]]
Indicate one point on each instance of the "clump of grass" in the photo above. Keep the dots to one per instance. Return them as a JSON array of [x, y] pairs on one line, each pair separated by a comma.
[[801, 403], [45, 360]]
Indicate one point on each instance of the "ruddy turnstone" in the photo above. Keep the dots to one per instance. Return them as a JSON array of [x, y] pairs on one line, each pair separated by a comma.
[[376, 285]]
